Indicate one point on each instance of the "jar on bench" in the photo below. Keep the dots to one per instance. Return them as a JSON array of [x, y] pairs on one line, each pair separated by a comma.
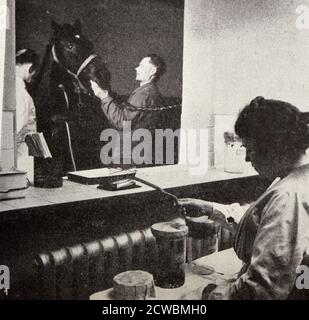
[[202, 238], [171, 243]]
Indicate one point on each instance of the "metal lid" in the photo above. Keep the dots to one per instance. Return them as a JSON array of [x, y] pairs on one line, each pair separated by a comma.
[[170, 230], [202, 227]]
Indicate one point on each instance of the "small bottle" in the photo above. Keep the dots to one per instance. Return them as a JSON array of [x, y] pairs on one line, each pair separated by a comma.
[[171, 242], [234, 157], [234, 153]]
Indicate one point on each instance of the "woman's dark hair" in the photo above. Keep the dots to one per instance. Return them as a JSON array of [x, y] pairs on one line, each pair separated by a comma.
[[273, 125], [159, 63], [26, 56]]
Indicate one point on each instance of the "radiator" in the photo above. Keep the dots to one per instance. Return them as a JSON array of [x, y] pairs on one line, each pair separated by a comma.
[[77, 271]]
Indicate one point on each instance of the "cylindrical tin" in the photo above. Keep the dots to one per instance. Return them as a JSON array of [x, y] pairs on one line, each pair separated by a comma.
[[202, 237], [171, 242]]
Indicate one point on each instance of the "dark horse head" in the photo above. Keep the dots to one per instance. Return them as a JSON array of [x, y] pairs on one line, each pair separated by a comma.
[[75, 54], [69, 116]]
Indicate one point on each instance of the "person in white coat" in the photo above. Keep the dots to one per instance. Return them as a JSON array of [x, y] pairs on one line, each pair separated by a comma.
[[272, 236], [25, 120]]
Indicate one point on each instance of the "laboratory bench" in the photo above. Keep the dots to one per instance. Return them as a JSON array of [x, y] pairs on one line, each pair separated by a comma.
[[48, 220]]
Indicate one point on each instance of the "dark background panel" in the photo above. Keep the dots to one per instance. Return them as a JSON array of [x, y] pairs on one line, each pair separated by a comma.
[[122, 31]]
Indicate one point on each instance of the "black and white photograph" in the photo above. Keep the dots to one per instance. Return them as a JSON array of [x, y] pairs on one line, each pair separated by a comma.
[[154, 150]]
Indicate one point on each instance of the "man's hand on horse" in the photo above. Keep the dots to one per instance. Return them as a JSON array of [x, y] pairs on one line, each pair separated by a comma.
[[98, 91]]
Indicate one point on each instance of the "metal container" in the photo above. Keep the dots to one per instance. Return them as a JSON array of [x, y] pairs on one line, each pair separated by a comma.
[[171, 242], [202, 237]]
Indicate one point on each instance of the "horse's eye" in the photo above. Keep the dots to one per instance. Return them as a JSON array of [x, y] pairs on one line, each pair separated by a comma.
[[77, 36], [70, 45]]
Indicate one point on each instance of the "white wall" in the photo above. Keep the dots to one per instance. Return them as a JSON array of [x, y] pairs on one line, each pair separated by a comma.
[[236, 50], [259, 51], [7, 85], [3, 13]]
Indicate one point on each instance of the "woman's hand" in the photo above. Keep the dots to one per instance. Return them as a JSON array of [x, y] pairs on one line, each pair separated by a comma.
[[196, 207], [218, 292]]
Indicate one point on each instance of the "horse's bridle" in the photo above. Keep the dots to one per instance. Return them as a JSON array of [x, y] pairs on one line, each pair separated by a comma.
[[80, 69], [61, 86]]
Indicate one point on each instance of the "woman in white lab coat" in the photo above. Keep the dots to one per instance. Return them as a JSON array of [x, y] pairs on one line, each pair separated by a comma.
[[26, 65], [272, 235]]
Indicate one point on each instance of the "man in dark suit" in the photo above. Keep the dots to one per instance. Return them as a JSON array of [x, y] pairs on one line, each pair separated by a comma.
[[137, 113]]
